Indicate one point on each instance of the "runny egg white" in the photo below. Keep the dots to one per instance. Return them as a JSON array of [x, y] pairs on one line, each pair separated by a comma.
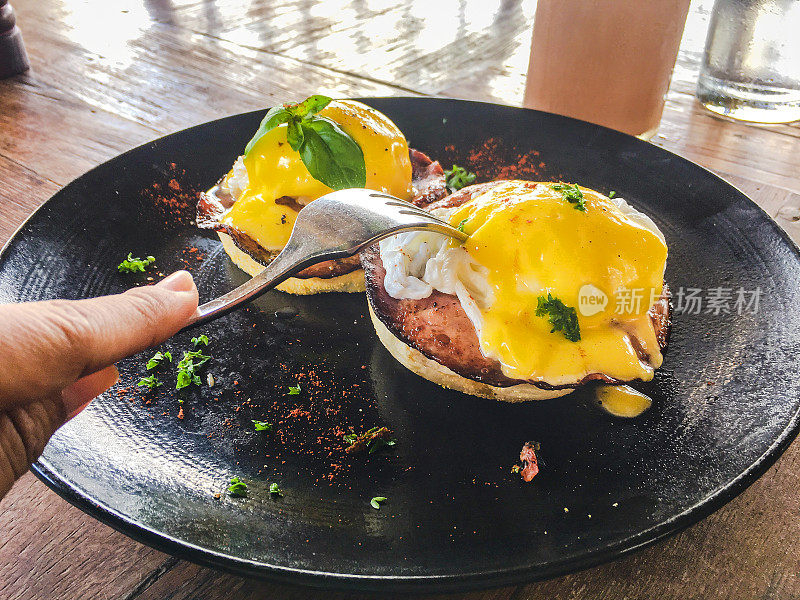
[[526, 240]]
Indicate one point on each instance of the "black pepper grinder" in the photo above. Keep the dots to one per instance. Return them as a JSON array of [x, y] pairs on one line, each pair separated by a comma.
[[13, 58]]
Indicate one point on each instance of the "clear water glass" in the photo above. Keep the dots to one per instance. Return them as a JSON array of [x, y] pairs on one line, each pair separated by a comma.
[[751, 63]]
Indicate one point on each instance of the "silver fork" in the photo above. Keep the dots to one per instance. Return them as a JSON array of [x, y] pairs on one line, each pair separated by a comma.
[[336, 225]]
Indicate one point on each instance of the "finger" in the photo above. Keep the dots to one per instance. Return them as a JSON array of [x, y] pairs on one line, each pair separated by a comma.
[[77, 396], [24, 431], [47, 346]]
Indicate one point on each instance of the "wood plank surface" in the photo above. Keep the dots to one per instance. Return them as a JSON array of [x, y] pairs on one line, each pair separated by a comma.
[[49, 549], [109, 75]]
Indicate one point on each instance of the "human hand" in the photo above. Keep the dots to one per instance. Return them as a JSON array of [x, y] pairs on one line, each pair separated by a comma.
[[56, 356]]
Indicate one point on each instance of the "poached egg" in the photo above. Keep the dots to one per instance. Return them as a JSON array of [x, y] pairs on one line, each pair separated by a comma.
[[272, 172], [527, 240]]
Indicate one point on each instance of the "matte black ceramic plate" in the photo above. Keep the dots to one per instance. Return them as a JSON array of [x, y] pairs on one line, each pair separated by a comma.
[[726, 399]]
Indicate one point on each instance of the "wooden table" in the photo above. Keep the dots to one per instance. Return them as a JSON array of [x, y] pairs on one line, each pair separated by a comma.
[[109, 75]]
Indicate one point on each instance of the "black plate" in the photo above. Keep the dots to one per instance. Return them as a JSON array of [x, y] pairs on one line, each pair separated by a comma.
[[726, 399]]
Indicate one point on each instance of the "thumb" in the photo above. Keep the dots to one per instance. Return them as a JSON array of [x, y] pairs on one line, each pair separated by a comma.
[[77, 396], [50, 345]]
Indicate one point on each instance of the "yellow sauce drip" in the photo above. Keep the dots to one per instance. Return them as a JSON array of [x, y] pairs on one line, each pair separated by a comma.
[[275, 170], [533, 241], [622, 400]]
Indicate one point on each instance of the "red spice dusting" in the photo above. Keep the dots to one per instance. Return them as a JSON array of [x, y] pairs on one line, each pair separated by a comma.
[[299, 412], [309, 427], [175, 202], [192, 253], [494, 160]]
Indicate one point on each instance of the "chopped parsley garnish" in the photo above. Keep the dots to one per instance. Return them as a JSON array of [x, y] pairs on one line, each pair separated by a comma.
[[188, 367], [461, 225], [371, 440], [612, 194], [157, 359], [262, 425], [457, 178], [185, 379], [572, 194], [237, 488], [274, 490], [201, 339], [294, 390], [562, 317], [135, 265], [195, 357], [377, 501], [378, 443], [150, 382]]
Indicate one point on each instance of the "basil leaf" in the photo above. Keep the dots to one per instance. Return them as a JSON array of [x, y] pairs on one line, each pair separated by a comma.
[[332, 156], [294, 134], [310, 106], [276, 116]]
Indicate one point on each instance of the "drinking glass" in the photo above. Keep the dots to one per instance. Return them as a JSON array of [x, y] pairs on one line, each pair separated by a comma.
[[751, 64]]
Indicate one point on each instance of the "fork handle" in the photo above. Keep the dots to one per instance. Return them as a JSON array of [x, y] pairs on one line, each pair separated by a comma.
[[286, 264]]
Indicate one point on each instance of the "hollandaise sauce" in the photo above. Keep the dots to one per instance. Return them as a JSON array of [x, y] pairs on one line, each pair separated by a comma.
[[622, 400], [275, 171], [540, 239]]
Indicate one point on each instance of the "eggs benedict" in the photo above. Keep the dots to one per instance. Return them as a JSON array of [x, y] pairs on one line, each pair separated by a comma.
[[301, 152], [557, 285]]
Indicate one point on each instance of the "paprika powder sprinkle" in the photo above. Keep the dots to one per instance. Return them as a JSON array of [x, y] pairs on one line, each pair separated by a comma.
[[309, 429], [493, 159]]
